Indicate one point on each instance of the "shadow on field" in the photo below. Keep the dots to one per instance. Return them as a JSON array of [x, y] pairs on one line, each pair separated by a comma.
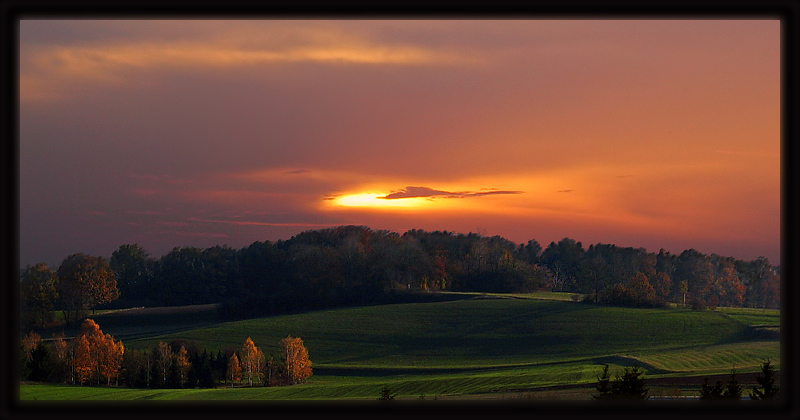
[[629, 361]]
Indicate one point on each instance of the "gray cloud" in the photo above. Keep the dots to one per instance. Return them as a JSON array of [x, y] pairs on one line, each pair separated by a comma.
[[411, 192]]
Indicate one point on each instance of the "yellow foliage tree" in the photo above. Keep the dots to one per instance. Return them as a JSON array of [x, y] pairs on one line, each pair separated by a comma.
[[297, 365]]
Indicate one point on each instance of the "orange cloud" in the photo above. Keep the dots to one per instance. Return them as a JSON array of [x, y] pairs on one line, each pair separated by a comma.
[[44, 72]]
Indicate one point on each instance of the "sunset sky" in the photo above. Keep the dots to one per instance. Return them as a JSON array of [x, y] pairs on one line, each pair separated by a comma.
[[654, 134]]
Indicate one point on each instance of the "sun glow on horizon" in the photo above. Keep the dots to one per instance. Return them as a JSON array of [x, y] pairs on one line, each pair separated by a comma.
[[374, 200]]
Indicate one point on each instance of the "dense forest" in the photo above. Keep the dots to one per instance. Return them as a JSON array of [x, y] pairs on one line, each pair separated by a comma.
[[355, 265]]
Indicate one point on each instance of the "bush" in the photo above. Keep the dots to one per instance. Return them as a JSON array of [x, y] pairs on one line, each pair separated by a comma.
[[630, 385], [619, 295]]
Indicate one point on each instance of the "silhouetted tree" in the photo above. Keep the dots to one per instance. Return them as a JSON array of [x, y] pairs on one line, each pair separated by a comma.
[[133, 269], [711, 392], [604, 390], [766, 380], [38, 294], [733, 389], [84, 282], [630, 385]]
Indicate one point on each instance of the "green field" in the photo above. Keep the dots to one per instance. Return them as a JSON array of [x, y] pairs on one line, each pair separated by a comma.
[[484, 346]]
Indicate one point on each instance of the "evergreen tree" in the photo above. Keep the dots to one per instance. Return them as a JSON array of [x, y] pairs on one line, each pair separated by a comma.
[[630, 385], [733, 390], [711, 392], [40, 364], [205, 374], [768, 389], [603, 385], [173, 376]]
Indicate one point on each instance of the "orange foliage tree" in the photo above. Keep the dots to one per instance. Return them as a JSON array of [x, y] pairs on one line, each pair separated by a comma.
[[297, 366], [234, 372], [252, 361], [29, 342], [96, 355], [183, 365], [83, 283], [83, 363]]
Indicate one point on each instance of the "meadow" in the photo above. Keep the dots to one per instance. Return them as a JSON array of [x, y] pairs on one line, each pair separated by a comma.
[[482, 346]]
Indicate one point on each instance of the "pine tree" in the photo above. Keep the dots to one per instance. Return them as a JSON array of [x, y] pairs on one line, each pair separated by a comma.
[[630, 385], [603, 385], [41, 367], [711, 392], [768, 389], [733, 390]]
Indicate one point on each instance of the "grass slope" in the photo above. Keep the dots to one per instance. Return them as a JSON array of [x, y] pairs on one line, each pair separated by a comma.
[[488, 344]]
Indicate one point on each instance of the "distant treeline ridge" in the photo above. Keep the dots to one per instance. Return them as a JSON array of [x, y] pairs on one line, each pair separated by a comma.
[[354, 265]]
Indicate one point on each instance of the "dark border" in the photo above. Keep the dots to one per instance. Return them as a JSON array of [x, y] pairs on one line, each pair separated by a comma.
[[788, 11]]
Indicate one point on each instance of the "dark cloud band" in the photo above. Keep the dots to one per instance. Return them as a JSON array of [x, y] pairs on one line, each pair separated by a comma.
[[425, 192]]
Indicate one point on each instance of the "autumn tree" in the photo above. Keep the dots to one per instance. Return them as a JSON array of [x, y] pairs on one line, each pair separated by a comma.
[[110, 359], [163, 360], [83, 283], [83, 363], [182, 364], [296, 364], [662, 285], [96, 339], [62, 358], [29, 342], [234, 371], [252, 361], [642, 292], [38, 294], [104, 354]]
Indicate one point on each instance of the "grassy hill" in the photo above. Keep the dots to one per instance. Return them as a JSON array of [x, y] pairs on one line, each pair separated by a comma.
[[486, 345]]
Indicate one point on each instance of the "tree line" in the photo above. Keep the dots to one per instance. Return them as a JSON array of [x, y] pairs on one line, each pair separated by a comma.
[[95, 358], [355, 265], [631, 385]]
